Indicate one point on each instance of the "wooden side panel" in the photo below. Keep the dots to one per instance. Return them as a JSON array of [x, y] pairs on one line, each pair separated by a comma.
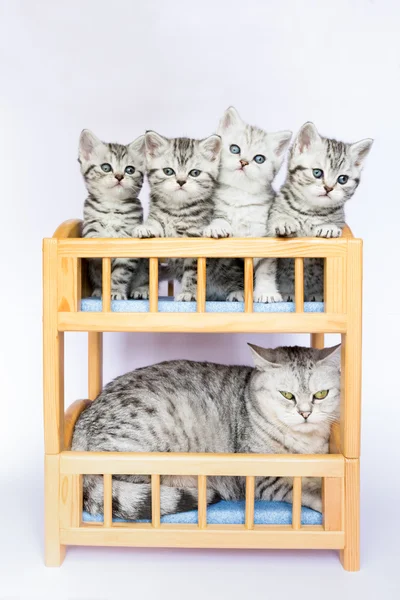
[[350, 556], [70, 501], [54, 549], [335, 285], [332, 501]]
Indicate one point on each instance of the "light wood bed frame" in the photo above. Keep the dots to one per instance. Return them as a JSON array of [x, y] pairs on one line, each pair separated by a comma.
[[65, 281]]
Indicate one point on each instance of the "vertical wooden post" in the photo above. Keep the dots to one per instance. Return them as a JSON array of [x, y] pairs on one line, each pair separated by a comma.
[[171, 287], [155, 500], [54, 550], [95, 364], [317, 340], [350, 556], [249, 517], [153, 287], [107, 499], [299, 284], [332, 503], [201, 285], [106, 279], [296, 507], [248, 285], [202, 501]]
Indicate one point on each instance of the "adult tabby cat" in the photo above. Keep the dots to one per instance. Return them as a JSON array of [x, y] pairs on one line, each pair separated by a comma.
[[286, 404], [113, 175], [183, 174], [250, 160], [323, 175]]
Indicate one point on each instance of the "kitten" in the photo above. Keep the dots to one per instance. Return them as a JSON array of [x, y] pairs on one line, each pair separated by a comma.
[[250, 159], [286, 404], [182, 174], [113, 175], [323, 175]]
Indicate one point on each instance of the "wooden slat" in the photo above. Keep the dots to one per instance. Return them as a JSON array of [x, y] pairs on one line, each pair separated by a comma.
[[155, 500], [249, 516], [165, 463], [54, 549], [296, 506], [204, 322], [201, 285], [317, 340], [248, 285], [213, 536], [107, 479], [208, 248], [106, 280], [95, 363], [69, 284], [153, 288], [202, 501], [335, 285], [332, 502], [350, 556], [299, 284]]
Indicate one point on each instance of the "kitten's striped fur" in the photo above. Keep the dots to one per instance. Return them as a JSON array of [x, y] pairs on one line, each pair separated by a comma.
[[184, 406]]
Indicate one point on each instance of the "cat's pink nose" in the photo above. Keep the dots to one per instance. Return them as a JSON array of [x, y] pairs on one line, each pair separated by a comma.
[[119, 176], [305, 415], [243, 162]]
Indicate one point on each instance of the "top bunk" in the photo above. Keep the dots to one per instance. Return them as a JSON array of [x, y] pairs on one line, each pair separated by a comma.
[[68, 301]]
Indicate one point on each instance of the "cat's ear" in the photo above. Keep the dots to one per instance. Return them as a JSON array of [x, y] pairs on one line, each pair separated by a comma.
[[156, 144], [280, 142], [264, 357], [231, 118], [87, 143], [138, 145], [211, 147], [308, 136], [360, 150], [331, 356]]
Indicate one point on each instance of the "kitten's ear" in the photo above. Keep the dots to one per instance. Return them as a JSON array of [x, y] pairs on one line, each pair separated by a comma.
[[280, 142], [263, 357], [211, 147], [307, 137], [230, 119], [137, 145], [331, 356], [156, 144], [87, 143], [360, 150]]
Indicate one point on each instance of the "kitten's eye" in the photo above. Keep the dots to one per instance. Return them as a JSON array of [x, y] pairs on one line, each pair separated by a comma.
[[259, 158], [321, 395], [317, 173], [106, 167], [169, 172], [194, 173], [342, 179], [287, 395], [129, 170], [234, 149]]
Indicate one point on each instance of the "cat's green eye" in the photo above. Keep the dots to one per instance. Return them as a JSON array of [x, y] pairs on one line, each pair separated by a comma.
[[129, 170], [287, 395], [259, 158], [106, 167], [194, 173], [234, 149], [169, 171], [321, 394], [317, 173], [342, 179]]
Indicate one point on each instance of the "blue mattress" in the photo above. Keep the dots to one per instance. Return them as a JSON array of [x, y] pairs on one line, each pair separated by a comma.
[[167, 304], [232, 513]]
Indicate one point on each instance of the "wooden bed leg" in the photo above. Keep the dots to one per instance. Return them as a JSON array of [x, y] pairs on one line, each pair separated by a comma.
[[317, 340], [95, 364], [350, 556], [54, 551]]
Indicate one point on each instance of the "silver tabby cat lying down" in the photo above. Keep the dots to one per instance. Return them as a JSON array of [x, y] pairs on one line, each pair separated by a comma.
[[286, 404]]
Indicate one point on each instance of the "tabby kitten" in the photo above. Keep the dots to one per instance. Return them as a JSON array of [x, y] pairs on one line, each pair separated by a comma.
[[323, 175], [286, 404], [113, 175], [250, 159], [182, 174]]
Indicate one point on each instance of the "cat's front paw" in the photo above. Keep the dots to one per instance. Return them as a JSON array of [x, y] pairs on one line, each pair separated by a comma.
[[327, 231], [185, 297], [285, 227], [146, 231], [237, 296], [118, 296], [140, 293], [216, 231], [96, 293], [315, 298], [267, 298]]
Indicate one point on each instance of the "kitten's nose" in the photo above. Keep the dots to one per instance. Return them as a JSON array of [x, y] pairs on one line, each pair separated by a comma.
[[119, 176], [305, 415], [181, 182], [244, 162], [328, 188]]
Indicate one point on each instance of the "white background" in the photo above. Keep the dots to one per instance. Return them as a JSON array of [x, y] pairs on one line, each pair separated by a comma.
[[122, 67]]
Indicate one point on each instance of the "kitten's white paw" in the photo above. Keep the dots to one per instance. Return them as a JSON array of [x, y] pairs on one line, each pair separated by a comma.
[[140, 293], [145, 231], [217, 232], [185, 297], [328, 231], [268, 298], [284, 227], [315, 298], [96, 293], [118, 296], [237, 296]]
